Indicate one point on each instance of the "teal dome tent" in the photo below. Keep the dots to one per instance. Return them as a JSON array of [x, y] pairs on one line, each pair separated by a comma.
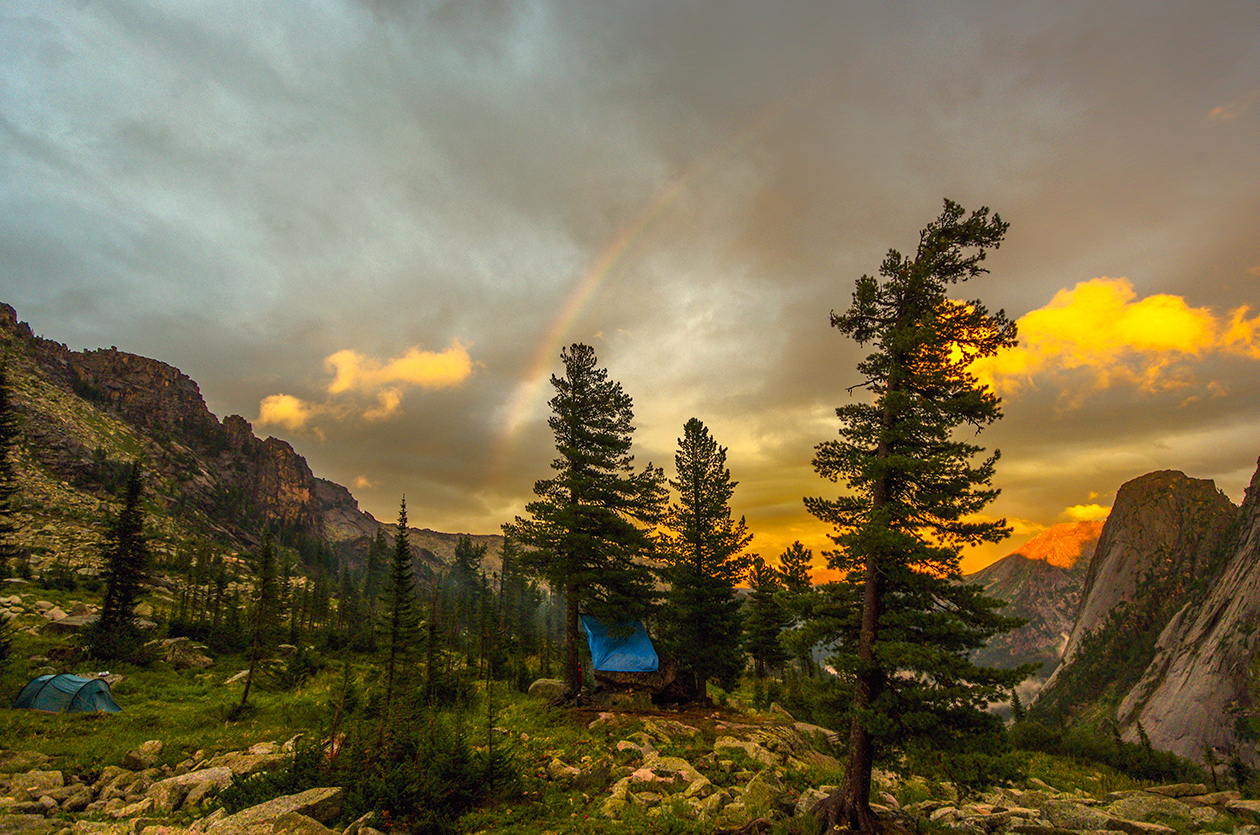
[[67, 694]]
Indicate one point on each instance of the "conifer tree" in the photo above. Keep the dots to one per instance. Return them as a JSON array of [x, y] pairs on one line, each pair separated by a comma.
[[266, 615], [9, 436], [795, 565], [702, 547], [914, 492], [765, 618], [400, 605], [586, 532], [126, 558]]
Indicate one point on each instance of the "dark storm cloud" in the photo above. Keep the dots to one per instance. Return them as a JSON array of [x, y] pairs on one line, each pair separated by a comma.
[[245, 190]]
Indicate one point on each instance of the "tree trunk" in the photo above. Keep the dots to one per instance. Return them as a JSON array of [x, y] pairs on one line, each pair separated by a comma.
[[572, 672]]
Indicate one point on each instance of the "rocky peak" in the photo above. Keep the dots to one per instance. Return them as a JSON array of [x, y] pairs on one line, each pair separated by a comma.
[[1162, 531], [1064, 546]]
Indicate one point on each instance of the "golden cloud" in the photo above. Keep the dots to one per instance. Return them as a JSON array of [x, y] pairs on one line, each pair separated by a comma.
[[383, 382], [1102, 328], [1087, 512], [285, 410], [353, 371]]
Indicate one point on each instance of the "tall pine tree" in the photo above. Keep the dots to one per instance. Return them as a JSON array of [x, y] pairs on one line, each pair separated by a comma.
[[126, 557], [702, 547], [587, 533], [400, 606], [914, 492]]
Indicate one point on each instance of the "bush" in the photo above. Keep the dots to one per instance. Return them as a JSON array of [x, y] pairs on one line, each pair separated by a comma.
[[424, 774]]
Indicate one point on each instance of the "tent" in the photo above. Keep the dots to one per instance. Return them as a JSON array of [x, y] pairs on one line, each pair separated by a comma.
[[67, 694], [622, 647]]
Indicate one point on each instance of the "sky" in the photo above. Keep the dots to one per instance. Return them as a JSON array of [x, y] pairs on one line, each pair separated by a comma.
[[370, 226]]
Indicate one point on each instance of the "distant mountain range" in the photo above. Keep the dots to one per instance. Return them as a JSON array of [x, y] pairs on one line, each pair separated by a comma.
[[1041, 582], [210, 484]]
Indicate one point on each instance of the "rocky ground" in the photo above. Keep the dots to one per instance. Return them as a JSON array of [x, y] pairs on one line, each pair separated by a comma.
[[753, 769]]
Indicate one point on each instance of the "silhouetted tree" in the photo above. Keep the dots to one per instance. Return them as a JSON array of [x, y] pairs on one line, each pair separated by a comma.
[[765, 618], [126, 561], [702, 547], [400, 605], [913, 498], [585, 532]]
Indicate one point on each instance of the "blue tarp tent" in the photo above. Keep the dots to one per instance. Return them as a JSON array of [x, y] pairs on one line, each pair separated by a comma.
[[622, 647], [67, 694]]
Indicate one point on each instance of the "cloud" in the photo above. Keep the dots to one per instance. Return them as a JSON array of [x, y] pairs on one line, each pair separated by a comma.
[[1231, 110], [1103, 330], [1086, 512], [382, 382], [362, 482], [353, 371], [285, 410]]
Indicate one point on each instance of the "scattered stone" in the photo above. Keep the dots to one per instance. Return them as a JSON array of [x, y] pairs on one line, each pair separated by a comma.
[[188, 790]]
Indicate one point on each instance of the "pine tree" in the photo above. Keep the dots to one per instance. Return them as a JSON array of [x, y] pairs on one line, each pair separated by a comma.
[[400, 605], [586, 534], [126, 558], [10, 431], [702, 547], [765, 618], [914, 492], [795, 565], [266, 616]]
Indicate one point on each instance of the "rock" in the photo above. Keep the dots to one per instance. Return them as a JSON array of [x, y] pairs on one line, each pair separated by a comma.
[[28, 824], [548, 688], [767, 792], [181, 653], [146, 756], [1179, 789], [753, 750], [1139, 827], [1070, 814], [1220, 799], [295, 823], [1149, 807], [322, 804], [69, 625], [1244, 807], [134, 810], [187, 790], [35, 784], [244, 763]]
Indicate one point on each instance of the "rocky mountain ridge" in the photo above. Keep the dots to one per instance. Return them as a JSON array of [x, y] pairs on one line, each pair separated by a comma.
[[1162, 642], [86, 415]]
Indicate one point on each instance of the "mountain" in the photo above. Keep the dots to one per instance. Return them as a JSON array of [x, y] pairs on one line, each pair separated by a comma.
[[1153, 596], [86, 415], [1041, 582]]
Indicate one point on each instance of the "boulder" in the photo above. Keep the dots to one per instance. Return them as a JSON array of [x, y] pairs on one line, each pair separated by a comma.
[[146, 756], [35, 784], [1150, 807], [322, 804], [187, 790], [767, 792], [1179, 789], [243, 763]]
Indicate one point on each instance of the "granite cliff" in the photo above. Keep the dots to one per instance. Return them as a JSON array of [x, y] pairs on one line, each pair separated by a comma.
[[1165, 600]]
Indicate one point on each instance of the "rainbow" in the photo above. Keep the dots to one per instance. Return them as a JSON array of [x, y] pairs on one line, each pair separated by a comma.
[[548, 349]]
